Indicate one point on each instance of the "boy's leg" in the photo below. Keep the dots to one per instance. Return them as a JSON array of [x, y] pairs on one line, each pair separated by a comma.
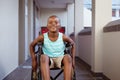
[[45, 70], [67, 61]]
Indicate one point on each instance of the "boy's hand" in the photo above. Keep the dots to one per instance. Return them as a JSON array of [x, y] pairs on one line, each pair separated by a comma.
[[73, 63]]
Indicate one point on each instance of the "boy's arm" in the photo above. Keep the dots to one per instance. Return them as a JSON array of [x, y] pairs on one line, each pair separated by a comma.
[[32, 45], [69, 40]]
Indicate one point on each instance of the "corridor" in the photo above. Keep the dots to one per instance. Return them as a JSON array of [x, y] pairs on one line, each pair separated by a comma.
[[94, 28]]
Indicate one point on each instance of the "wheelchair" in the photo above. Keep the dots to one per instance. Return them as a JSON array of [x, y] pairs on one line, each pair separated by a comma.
[[38, 54]]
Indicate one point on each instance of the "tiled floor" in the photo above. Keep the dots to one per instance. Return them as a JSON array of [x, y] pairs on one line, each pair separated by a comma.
[[23, 72]]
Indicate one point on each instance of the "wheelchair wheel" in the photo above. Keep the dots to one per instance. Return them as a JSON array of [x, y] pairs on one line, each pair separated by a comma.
[[73, 75], [39, 75], [32, 77]]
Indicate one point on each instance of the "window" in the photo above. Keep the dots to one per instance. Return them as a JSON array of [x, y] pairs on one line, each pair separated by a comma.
[[113, 12], [119, 12]]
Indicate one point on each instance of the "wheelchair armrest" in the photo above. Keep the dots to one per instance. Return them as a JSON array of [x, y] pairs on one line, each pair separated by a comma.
[[39, 48], [68, 44]]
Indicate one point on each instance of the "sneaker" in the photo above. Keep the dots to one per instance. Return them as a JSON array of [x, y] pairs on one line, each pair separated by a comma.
[[34, 75]]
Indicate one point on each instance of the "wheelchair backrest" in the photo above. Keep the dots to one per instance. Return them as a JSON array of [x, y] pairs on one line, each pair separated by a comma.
[[44, 30]]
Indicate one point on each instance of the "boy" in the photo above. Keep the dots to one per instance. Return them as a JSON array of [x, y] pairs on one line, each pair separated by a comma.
[[53, 50]]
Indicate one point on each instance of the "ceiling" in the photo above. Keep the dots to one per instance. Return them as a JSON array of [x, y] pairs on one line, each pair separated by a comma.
[[63, 3], [53, 3]]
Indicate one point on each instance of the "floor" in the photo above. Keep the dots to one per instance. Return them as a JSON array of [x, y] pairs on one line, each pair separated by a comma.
[[23, 72]]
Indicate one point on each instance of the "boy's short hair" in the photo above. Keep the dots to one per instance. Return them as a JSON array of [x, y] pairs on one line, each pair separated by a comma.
[[54, 17]]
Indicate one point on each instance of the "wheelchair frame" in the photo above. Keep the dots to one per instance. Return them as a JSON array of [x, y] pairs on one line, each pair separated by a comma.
[[39, 52]]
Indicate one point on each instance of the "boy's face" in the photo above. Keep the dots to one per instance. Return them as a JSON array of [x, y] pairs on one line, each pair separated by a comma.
[[53, 24]]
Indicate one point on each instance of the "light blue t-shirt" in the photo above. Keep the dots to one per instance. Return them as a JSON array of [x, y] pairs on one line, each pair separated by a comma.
[[53, 48]]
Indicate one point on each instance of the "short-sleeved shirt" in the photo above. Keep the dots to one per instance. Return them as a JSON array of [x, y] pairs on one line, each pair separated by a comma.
[[53, 48]]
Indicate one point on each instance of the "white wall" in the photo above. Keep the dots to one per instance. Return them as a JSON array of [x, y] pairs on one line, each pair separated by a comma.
[[30, 25], [45, 13], [100, 17], [37, 22], [87, 17], [30, 21], [70, 18], [85, 48], [27, 16], [111, 58], [79, 19], [111, 53], [8, 36], [21, 31]]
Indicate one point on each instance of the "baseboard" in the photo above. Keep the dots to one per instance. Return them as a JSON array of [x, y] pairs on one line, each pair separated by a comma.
[[105, 77], [95, 74], [99, 75]]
